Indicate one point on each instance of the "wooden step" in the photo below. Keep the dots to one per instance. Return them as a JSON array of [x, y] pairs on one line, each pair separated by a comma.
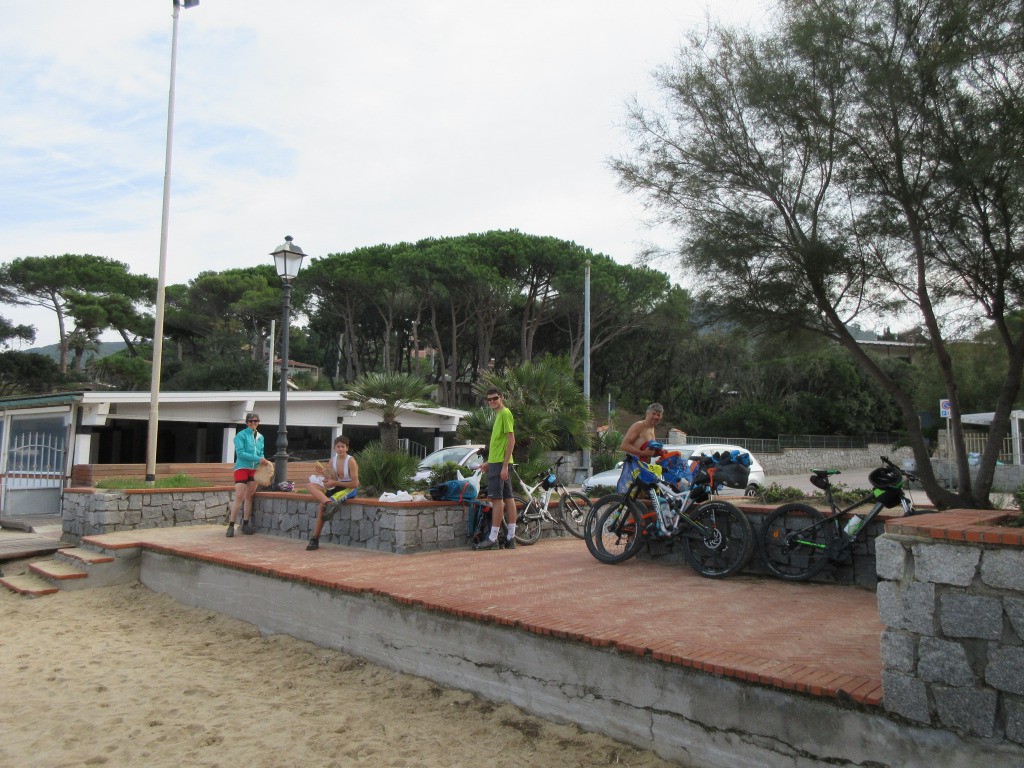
[[85, 556], [29, 584], [55, 570]]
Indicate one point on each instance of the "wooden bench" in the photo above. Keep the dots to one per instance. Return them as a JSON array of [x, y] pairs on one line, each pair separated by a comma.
[[87, 475]]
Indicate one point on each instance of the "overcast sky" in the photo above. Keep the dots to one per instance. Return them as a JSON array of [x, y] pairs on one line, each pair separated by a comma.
[[343, 123]]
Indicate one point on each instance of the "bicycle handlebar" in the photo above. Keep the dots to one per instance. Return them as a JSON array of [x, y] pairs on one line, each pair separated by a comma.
[[907, 474]]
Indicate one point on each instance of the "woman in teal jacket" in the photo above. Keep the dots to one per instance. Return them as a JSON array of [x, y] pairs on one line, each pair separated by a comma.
[[248, 456]]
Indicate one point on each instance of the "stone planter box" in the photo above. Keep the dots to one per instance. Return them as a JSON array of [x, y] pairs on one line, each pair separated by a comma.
[[400, 527], [89, 511], [952, 600]]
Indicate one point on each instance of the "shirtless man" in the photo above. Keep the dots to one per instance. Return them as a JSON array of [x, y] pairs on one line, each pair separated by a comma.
[[642, 432], [636, 441]]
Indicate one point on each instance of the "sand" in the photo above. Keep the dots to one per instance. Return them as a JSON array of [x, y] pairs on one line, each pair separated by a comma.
[[122, 676]]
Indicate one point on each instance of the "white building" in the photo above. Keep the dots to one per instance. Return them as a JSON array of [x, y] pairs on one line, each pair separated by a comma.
[[43, 437]]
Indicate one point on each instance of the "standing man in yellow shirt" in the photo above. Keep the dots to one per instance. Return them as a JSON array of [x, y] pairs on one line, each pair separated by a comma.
[[499, 486]]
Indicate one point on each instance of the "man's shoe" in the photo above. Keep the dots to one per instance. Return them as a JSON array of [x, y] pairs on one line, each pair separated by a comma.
[[314, 543], [510, 543], [486, 544], [248, 528], [331, 509], [231, 530]]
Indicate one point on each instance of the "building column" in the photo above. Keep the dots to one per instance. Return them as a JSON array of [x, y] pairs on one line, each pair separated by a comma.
[[227, 445], [82, 451]]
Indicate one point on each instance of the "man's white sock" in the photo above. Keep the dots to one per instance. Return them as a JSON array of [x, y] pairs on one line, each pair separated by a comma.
[[494, 533]]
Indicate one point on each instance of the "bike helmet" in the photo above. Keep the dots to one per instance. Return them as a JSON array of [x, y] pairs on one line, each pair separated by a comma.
[[886, 478], [285, 485]]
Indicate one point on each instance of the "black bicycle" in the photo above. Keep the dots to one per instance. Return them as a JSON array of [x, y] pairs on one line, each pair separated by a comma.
[[798, 541], [716, 538]]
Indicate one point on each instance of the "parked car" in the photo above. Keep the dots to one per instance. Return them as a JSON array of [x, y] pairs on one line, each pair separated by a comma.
[[468, 456], [610, 477]]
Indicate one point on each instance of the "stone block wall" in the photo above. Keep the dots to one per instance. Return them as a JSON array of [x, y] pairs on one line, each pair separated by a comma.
[[400, 527], [951, 597], [86, 512], [793, 460]]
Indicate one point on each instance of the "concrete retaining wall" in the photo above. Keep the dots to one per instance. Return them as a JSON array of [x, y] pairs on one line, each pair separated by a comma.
[[686, 716]]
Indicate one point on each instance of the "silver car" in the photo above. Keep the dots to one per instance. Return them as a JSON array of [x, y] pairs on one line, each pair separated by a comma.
[[610, 477], [468, 456]]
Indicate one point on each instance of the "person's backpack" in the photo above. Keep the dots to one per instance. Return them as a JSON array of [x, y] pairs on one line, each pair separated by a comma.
[[479, 520], [453, 490], [478, 523]]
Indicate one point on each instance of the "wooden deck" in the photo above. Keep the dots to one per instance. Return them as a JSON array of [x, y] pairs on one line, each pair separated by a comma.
[[42, 539]]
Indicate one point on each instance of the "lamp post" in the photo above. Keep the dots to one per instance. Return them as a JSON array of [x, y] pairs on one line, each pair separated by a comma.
[[288, 261], [161, 282]]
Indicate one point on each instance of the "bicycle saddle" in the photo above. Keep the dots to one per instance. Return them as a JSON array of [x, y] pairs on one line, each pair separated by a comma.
[[819, 478]]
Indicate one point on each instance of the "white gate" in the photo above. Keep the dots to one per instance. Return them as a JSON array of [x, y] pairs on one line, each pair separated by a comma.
[[35, 474]]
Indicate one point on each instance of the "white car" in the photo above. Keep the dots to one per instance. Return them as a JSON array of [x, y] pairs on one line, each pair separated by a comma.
[[610, 477], [468, 456]]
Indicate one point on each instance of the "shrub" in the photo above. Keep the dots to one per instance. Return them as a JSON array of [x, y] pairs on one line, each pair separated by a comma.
[[605, 450], [773, 493], [842, 495], [383, 472], [442, 473]]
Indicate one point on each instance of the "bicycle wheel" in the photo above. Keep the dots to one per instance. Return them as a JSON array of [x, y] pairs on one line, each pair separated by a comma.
[[573, 509], [725, 544], [796, 541], [613, 530], [528, 521]]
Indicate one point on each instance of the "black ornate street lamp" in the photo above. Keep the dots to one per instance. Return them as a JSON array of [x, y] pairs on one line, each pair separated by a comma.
[[288, 261]]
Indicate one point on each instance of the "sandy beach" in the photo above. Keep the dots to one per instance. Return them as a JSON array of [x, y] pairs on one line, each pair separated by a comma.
[[121, 676]]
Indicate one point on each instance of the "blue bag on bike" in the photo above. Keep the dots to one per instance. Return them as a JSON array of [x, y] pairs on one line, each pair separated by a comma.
[[674, 468], [626, 477], [453, 490]]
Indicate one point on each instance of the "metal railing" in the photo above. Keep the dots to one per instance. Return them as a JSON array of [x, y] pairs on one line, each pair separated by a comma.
[[752, 444], [766, 445], [974, 442], [412, 448]]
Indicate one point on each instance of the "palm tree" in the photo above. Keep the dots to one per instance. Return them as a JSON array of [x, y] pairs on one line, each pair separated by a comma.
[[390, 393], [545, 400]]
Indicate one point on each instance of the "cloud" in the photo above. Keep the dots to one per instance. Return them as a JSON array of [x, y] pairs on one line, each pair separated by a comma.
[[342, 124]]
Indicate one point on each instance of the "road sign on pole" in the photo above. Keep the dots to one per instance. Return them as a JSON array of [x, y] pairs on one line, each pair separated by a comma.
[[944, 408]]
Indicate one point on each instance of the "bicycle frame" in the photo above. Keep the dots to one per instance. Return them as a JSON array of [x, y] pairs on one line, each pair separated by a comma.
[[680, 502], [544, 500], [843, 539]]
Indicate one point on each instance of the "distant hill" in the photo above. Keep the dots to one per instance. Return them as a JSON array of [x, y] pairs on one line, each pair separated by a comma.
[[106, 348]]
